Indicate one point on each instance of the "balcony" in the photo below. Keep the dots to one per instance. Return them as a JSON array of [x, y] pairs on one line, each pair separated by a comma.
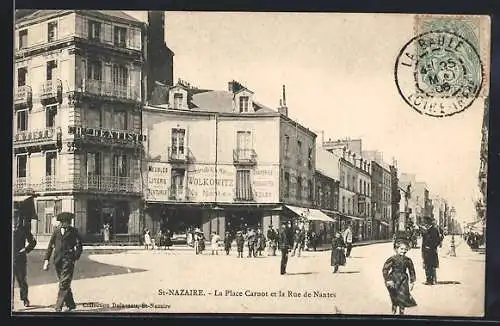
[[111, 90], [178, 155], [177, 193], [91, 183], [244, 156], [51, 92], [23, 98]]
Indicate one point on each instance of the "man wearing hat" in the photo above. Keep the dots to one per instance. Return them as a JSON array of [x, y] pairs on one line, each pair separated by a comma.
[[430, 242], [66, 244], [22, 235], [284, 246]]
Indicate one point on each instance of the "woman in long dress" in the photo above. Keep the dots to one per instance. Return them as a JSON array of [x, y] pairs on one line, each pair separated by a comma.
[[399, 277], [338, 255]]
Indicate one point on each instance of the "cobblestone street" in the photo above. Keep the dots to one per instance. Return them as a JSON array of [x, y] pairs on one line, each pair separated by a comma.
[[248, 285]]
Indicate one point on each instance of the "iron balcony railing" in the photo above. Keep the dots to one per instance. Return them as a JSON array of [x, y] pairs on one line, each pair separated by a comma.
[[178, 154], [97, 183], [111, 89], [23, 97], [244, 156], [177, 193], [38, 135], [51, 91]]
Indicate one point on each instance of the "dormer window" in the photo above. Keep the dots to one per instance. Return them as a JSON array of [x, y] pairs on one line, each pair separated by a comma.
[[178, 100], [244, 100]]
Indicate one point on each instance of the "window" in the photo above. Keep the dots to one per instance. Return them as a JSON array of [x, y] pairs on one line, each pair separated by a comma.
[[177, 183], [178, 100], [287, 144], [94, 163], [22, 120], [299, 152], [120, 165], [120, 75], [310, 157], [120, 36], [50, 116], [22, 74], [299, 188], [287, 184], [349, 206], [243, 103], [52, 32], [51, 69], [93, 117], [178, 140], [23, 39], [360, 185], [244, 144], [342, 179], [94, 70], [22, 165], [120, 120], [94, 31], [311, 189], [243, 185], [50, 163], [343, 204], [353, 183]]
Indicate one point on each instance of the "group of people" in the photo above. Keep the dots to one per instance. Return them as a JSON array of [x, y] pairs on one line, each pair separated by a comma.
[[474, 239], [163, 239], [65, 246]]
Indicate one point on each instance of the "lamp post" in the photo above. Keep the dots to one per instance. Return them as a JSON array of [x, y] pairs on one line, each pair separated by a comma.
[[452, 252]]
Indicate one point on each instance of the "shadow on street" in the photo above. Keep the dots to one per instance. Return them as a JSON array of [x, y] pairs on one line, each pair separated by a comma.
[[84, 268]]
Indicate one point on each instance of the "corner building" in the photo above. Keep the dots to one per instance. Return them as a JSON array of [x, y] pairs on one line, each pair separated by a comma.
[[77, 121], [219, 160]]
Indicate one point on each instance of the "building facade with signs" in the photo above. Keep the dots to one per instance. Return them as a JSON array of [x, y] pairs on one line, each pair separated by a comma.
[[219, 160], [77, 121]]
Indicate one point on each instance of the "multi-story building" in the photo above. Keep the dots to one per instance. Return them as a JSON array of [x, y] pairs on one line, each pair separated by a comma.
[[327, 191], [77, 121], [403, 207], [395, 197], [483, 167], [220, 160], [419, 202], [355, 186], [439, 210]]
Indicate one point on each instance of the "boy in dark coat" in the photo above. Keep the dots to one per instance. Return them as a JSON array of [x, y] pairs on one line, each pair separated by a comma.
[[395, 273], [338, 256], [66, 244]]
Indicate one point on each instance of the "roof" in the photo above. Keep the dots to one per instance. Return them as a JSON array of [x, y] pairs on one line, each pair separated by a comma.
[[47, 13]]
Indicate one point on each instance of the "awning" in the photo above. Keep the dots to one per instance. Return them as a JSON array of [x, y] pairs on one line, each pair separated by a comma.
[[20, 199], [352, 217], [310, 213], [384, 223]]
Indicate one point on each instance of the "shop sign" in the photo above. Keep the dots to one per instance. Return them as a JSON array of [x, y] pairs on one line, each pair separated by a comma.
[[106, 134], [265, 184], [158, 176], [206, 184]]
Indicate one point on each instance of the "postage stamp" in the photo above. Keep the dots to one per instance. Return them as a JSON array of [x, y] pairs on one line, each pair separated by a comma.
[[439, 73]]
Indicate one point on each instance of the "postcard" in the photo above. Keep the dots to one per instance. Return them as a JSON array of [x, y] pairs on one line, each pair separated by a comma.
[[249, 162]]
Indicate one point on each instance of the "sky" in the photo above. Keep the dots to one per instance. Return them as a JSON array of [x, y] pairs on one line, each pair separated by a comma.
[[339, 75]]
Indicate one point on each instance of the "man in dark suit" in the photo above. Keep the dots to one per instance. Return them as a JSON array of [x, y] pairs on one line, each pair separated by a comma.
[[430, 242], [67, 246], [284, 246], [24, 242]]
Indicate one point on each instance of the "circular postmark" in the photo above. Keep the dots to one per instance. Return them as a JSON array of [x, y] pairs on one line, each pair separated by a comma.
[[439, 73]]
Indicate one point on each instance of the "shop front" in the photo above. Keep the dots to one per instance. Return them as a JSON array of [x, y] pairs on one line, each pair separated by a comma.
[[314, 220]]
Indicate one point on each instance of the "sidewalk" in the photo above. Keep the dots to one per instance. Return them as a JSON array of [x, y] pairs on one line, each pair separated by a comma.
[[124, 247]]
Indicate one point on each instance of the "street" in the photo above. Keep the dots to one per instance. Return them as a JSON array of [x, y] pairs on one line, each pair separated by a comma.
[[178, 281]]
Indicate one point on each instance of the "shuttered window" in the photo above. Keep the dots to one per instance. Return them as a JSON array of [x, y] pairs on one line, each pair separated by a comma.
[[243, 185]]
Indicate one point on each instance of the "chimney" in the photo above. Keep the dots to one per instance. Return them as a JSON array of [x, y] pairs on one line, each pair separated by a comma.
[[283, 110]]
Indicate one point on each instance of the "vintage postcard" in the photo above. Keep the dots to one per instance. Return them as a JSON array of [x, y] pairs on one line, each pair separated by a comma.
[[239, 162]]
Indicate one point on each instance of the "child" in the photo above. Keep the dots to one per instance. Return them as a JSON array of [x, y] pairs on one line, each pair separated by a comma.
[[338, 256], [215, 243], [396, 277], [240, 242], [227, 242], [147, 240]]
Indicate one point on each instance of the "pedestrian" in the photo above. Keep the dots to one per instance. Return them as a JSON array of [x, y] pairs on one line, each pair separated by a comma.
[[106, 232], [240, 242], [148, 243], [348, 240], [397, 281], [261, 242], [24, 242], [289, 233], [337, 257], [430, 242], [284, 246], [251, 242], [271, 241], [215, 243], [66, 244], [298, 242], [199, 241], [167, 238], [314, 240], [160, 239], [227, 242]]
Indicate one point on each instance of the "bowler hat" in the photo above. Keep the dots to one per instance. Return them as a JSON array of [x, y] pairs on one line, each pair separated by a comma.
[[65, 217]]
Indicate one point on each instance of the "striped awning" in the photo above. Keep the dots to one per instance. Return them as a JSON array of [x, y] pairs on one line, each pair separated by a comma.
[[310, 214]]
